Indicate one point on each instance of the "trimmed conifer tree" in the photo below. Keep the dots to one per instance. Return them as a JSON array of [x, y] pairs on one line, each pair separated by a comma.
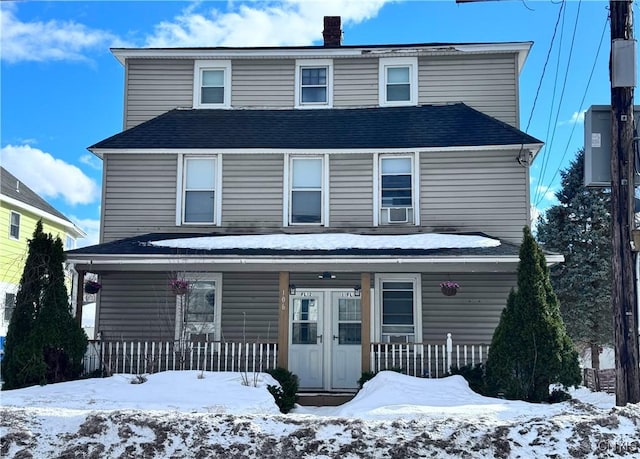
[[530, 348], [44, 343]]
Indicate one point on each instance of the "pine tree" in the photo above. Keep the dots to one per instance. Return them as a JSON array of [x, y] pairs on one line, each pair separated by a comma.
[[530, 348], [580, 229], [44, 342]]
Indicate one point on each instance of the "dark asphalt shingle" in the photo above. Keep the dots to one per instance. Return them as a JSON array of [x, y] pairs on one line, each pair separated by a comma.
[[453, 125]]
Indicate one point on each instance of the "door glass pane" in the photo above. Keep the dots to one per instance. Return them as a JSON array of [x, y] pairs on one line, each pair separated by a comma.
[[305, 309], [349, 333], [304, 333], [348, 309], [201, 301]]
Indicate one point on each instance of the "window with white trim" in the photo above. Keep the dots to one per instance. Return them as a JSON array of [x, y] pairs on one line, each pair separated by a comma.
[[212, 84], [396, 187], [398, 81], [306, 178], [69, 243], [9, 306], [198, 311], [199, 190], [14, 226], [314, 83], [399, 308]]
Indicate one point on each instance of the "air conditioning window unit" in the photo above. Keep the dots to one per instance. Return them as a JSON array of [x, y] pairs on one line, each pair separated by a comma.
[[398, 214]]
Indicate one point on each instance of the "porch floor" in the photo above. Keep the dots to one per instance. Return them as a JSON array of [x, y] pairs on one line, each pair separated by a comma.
[[324, 398]]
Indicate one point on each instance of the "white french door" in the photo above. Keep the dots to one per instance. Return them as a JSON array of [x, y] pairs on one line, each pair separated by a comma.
[[325, 338]]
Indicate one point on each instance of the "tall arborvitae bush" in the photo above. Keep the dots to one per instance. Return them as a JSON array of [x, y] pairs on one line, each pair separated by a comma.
[[44, 343], [530, 348]]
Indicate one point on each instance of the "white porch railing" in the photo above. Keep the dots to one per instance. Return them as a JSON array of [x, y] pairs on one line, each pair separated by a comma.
[[426, 360], [137, 357]]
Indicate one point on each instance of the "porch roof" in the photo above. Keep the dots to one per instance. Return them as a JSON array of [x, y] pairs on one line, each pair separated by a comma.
[[144, 252], [425, 126]]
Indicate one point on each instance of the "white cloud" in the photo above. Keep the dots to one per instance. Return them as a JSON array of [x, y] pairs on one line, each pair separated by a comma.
[[89, 226], [576, 118], [289, 22], [92, 161], [48, 176], [547, 193], [52, 40]]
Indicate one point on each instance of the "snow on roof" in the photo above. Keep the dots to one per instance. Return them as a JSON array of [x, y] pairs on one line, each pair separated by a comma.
[[331, 241]]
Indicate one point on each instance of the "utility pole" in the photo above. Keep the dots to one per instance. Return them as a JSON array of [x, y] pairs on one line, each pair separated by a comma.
[[623, 292]]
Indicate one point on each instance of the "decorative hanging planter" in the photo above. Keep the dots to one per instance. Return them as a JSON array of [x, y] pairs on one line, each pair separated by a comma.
[[179, 286], [449, 288], [92, 287]]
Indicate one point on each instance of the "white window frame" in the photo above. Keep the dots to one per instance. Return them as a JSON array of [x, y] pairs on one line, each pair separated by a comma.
[[198, 68], [415, 186], [69, 242], [6, 308], [11, 225], [208, 328], [181, 191], [313, 63], [390, 62], [288, 190], [416, 280]]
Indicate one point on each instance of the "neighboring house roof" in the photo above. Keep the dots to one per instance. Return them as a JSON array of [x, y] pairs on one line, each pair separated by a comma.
[[15, 190], [425, 126]]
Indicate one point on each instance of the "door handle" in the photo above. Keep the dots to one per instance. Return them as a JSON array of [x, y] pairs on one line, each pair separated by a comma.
[[320, 338], [336, 337]]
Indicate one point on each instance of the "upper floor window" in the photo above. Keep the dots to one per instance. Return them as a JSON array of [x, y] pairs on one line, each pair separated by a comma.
[[14, 226], [306, 197], [212, 84], [398, 81], [399, 308], [314, 83], [199, 190], [397, 189]]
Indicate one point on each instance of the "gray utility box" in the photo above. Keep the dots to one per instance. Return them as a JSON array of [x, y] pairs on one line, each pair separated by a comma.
[[597, 145]]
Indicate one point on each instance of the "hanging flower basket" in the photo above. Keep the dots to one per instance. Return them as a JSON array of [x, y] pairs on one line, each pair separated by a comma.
[[449, 288], [92, 287], [179, 286]]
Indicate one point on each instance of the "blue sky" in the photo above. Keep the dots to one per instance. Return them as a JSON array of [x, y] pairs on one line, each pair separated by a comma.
[[62, 89]]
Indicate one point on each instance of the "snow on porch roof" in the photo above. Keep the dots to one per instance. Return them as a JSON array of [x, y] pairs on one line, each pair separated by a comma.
[[330, 241]]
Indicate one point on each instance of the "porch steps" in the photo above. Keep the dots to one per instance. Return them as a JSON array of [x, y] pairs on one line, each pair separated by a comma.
[[324, 398]]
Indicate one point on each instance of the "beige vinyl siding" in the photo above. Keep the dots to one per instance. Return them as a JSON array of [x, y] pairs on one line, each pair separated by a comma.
[[252, 190], [486, 83], [155, 86], [136, 305], [470, 316], [474, 191], [262, 83], [250, 306], [351, 190], [140, 194], [355, 82]]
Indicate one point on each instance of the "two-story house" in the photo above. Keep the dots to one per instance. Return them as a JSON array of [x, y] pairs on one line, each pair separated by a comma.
[[20, 210], [315, 196]]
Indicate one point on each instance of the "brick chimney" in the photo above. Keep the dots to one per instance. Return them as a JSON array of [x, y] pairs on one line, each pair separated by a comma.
[[332, 32]]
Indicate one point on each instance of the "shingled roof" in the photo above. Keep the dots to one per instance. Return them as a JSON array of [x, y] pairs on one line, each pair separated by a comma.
[[453, 125], [15, 189]]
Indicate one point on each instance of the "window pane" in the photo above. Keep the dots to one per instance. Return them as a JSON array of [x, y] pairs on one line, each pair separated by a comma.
[[396, 181], [306, 206], [398, 92], [9, 305], [396, 198], [314, 94], [398, 75], [213, 78], [305, 333], [14, 226], [201, 302], [396, 165], [314, 77], [198, 206], [212, 96], [307, 173], [200, 174]]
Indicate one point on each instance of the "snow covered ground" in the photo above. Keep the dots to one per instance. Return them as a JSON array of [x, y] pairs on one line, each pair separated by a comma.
[[191, 414]]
